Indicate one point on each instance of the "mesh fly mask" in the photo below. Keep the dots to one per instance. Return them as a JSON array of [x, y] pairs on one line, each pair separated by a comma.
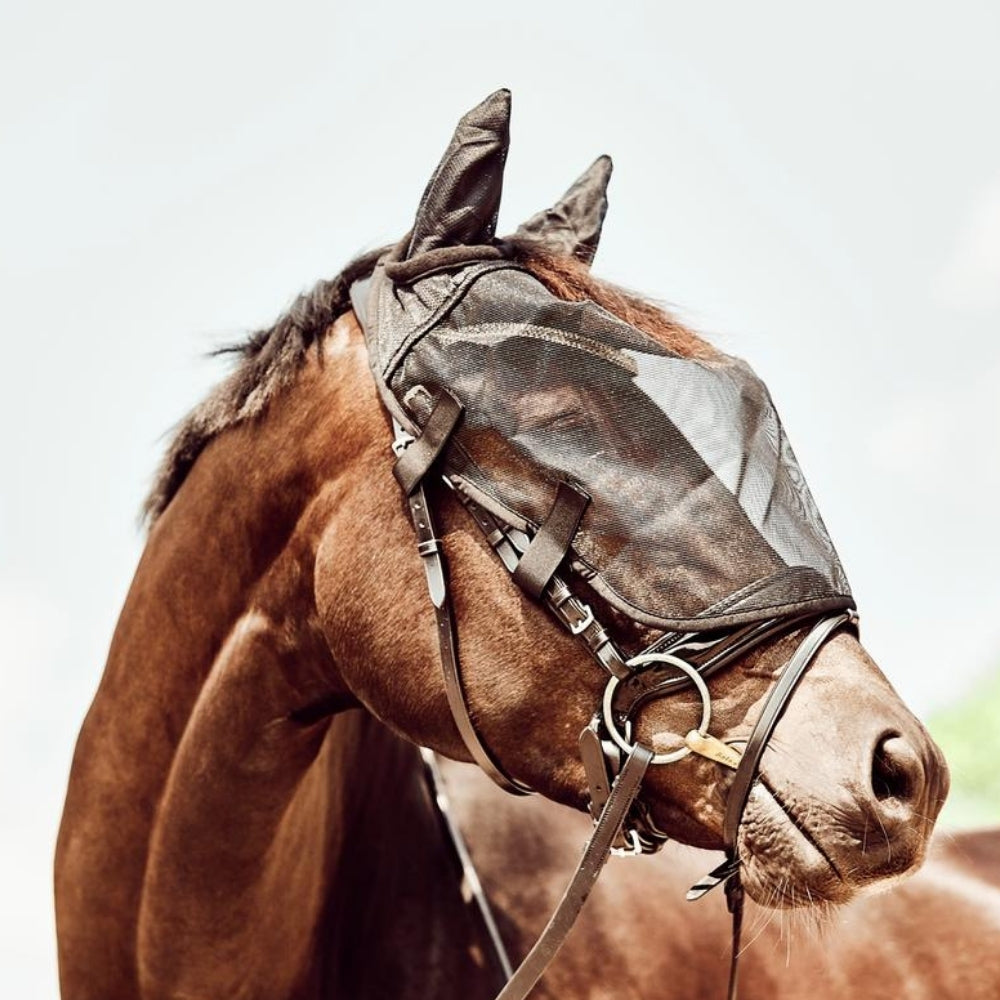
[[586, 450]]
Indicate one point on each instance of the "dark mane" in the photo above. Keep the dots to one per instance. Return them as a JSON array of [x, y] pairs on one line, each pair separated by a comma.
[[269, 359]]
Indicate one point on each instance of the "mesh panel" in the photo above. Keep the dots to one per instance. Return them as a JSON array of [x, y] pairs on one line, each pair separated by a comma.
[[699, 514]]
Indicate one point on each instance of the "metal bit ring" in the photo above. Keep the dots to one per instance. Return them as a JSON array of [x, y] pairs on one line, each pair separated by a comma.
[[685, 668]]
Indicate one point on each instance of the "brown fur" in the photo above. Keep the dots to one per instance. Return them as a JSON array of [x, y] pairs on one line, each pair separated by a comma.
[[269, 361], [934, 936], [214, 844]]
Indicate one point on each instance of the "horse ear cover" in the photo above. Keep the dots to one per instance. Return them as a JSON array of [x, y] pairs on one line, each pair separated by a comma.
[[460, 204], [572, 227]]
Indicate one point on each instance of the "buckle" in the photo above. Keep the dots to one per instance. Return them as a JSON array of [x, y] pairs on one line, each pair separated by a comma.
[[632, 848], [585, 622], [402, 441]]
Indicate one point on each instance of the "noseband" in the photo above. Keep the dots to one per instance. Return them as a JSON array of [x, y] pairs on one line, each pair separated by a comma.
[[615, 763]]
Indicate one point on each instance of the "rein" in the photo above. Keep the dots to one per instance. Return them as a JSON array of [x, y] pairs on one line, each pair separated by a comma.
[[615, 764]]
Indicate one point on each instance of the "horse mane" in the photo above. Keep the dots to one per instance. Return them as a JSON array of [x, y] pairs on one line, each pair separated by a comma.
[[269, 359]]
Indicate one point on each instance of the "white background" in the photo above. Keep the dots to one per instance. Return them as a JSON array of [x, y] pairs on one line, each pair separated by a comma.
[[817, 189]]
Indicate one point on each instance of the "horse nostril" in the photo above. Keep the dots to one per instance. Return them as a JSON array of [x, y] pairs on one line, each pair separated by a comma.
[[895, 769]]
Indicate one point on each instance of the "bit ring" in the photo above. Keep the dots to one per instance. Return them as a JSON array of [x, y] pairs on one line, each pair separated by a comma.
[[685, 668]]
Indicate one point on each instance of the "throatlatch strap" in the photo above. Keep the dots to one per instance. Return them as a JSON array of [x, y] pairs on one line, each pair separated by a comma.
[[595, 856], [414, 463], [551, 542]]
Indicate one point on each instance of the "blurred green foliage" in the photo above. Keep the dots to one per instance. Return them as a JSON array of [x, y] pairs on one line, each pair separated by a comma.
[[969, 734]]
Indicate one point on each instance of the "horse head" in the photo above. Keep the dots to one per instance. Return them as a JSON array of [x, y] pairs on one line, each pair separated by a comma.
[[639, 594], [697, 525]]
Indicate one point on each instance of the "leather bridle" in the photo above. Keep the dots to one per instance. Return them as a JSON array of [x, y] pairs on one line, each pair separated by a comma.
[[614, 763]]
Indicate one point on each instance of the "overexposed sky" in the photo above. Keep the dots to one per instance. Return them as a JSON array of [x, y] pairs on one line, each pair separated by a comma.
[[818, 190]]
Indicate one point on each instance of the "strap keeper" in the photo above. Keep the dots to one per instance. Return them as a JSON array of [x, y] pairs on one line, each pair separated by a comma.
[[609, 658], [417, 458], [430, 547], [495, 538], [552, 541], [559, 594]]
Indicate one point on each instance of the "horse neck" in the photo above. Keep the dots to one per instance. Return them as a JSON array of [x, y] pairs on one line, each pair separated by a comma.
[[214, 808]]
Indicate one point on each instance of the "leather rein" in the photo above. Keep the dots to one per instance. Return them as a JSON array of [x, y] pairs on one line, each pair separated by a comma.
[[615, 764]]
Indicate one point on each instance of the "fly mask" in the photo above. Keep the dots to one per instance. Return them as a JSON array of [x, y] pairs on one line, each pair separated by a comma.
[[587, 450]]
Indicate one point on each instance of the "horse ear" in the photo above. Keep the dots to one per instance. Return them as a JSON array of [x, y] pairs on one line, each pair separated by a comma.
[[460, 204], [572, 227]]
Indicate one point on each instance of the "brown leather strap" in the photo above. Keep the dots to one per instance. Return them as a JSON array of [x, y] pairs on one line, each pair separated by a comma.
[[746, 773], [552, 541], [572, 613], [429, 547], [734, 900], [707, 657], [415, 462], [595, 855], [576, 616], [777, 699]]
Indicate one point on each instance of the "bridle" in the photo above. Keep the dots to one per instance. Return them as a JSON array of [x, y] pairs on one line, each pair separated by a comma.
[[615, 763]]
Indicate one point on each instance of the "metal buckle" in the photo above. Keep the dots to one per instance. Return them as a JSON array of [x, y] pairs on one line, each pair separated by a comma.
[[633, 848], [585, 623], [402, 442], [402, 438]]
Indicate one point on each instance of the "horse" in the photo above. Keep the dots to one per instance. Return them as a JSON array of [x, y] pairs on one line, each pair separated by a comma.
[[247, 814]]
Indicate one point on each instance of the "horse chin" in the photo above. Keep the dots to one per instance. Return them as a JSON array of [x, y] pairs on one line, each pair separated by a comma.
[[788, 864]]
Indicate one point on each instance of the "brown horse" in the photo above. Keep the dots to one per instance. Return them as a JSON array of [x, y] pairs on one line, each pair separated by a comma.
[[243, 818]]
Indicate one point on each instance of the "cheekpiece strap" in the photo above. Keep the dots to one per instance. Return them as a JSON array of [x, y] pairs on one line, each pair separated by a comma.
[[552, 541], [571, 612]]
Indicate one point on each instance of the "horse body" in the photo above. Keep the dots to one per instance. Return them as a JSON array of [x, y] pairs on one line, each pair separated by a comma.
[[228, 831], [218, 635]]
